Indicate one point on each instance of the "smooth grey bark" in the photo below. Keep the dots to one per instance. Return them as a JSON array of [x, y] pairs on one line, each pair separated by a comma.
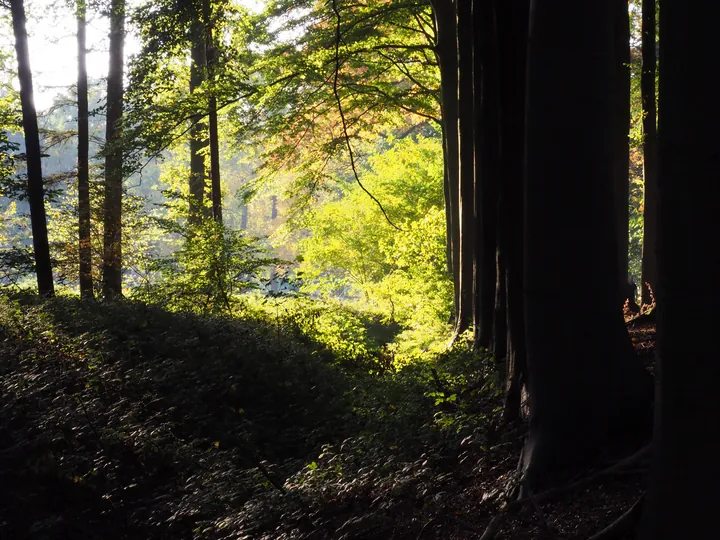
[[35, 189], [83, 167], [112, 234], [650, 150], [682, 501], [589, 396]]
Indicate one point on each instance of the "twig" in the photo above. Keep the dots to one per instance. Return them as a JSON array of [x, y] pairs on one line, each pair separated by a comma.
[[338, 37]]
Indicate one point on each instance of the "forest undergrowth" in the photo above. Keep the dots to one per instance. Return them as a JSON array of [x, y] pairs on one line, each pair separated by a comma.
[[128, 421]]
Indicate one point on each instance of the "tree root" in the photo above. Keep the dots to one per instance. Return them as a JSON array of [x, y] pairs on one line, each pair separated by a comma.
[[554, 493], [622, 525]]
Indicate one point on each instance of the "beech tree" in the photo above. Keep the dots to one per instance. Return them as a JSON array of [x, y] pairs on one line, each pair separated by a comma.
[[650, 152], [589, 396], [112, 234], [685, 451], [35, 189], [85, 254]]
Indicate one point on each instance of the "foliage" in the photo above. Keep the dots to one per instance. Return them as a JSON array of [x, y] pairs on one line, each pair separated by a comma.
[[351, 252], [387, 81], [207, 274], [127, 421]]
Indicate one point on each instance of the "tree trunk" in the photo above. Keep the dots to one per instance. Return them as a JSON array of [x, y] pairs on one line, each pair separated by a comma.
[[466, 202], [112, 236], [84, 247], [212, 115], [499, 341], [589, 395], [35, 190], [512, 25], [198, 131], [650, 153], [622, 157], [446, 52], [486, 160], [682, 500]]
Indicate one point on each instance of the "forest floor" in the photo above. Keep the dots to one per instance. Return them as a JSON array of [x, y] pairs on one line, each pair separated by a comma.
[[127, 422]]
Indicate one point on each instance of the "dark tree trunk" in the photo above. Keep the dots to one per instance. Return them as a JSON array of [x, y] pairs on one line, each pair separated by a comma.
[[85, 253], [682, 501], [486, 160], [466, 203], [447, 56], [112, 235], [198, 131], [499, 341], [589, 395], [35, 190], [212, 116], [512, 25], [622, 126], [650, 152]]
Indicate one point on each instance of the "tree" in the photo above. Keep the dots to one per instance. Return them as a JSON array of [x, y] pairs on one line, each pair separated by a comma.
[[83, 165], [686, 427], [621, 159], [210, 64], [35, 189], [512, 24], [650, 152], [198, 136], [571, 246], [112, 234]]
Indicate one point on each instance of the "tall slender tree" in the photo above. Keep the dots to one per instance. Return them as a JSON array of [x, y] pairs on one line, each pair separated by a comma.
[[446, 52], [486, 161], [650, 151], [466, 190], [621, 159], [86, 278], [586, 402], [681, 502], [512, 25], [112, 234], [198, 129], [211, 63], [35, 189]]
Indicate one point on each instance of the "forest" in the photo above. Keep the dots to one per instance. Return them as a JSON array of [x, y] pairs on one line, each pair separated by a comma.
[[359, 269]]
